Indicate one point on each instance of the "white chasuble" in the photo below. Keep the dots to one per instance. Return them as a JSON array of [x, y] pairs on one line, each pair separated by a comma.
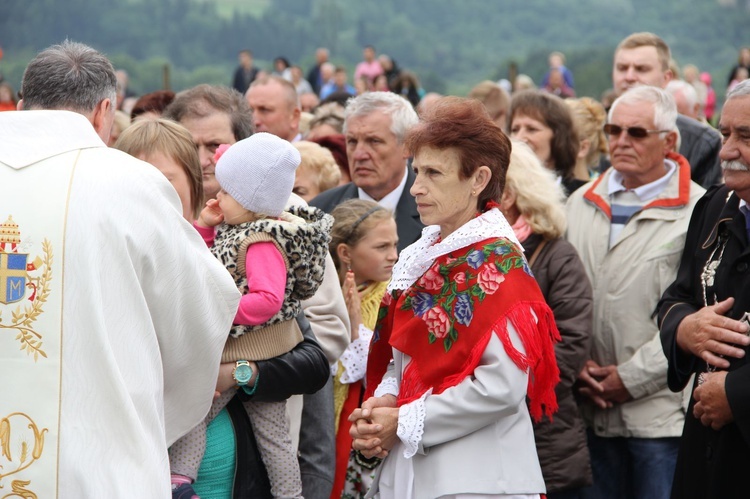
[[31, 285], [113, 315]]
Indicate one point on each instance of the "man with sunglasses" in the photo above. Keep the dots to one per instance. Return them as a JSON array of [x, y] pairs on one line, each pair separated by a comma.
[[704, 325], [643, 59], [629, 228]]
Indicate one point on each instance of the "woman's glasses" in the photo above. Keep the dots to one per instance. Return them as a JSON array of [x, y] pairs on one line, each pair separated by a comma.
[[634, 131]]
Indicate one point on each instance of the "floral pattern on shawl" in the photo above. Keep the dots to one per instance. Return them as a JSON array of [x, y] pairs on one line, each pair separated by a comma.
[[452, 289], [443, 321]]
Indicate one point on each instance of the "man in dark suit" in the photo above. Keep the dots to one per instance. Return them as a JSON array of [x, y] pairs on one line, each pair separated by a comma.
[[375, 126], [702, 329], [643, 59]]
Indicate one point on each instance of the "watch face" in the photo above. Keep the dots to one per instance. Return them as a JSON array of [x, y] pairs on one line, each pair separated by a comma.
[[243, 373]]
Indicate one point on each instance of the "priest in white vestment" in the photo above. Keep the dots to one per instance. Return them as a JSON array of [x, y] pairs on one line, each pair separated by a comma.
[[113, 313]]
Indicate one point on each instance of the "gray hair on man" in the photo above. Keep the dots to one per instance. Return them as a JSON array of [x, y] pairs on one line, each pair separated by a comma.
[[685, 97], [742, 89], [665, 110], [687, 90], [403, 116], [70, 76]]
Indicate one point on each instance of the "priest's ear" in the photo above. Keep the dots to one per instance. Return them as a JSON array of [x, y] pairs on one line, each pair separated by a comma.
[[102, 118]]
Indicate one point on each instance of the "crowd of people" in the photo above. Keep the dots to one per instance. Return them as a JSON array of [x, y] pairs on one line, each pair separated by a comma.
[[295, 286]]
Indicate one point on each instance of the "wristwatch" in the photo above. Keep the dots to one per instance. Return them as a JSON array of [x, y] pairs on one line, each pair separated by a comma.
[[242, 372]]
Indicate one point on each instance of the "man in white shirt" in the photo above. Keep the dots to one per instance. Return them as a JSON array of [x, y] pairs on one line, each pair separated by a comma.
[[121, 312]]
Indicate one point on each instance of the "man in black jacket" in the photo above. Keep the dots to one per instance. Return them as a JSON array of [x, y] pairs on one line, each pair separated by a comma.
[[702, 332], [643, 59]]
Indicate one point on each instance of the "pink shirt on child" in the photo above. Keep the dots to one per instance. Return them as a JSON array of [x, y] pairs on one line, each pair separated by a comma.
[[266, 281]]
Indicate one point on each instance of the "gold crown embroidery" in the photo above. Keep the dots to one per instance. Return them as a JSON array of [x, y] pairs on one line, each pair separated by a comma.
[[20, 279]]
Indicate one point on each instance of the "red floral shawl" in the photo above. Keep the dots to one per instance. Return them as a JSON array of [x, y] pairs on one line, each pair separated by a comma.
[[445, 319]]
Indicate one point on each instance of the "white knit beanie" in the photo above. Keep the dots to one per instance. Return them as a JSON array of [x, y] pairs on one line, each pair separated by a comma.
[[258, 172]]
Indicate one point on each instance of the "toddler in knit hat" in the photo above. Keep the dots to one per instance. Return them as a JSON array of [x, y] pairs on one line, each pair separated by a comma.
[[277, 259]]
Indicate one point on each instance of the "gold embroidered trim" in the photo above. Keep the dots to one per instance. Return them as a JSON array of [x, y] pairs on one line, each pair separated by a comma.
[[24, 459]]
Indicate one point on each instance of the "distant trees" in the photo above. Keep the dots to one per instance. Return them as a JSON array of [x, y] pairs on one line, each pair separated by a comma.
[[449, 45]]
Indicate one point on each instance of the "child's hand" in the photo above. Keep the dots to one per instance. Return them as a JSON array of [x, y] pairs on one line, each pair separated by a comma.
[[211, 215], [353, 304]]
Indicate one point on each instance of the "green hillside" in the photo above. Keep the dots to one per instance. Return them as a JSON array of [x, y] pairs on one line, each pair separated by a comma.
[[227, 8], [451, 45]]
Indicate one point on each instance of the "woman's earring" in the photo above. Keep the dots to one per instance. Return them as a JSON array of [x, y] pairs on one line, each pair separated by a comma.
[[348, 267]]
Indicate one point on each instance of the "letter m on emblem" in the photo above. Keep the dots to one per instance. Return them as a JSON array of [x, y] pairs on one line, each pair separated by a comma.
[[12, 277]]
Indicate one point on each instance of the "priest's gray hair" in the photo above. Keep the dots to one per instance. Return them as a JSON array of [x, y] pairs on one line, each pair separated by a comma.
[[69, 76], [402, 113]]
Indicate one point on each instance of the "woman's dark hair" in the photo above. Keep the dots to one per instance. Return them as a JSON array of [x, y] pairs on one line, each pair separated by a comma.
[[464, 125], [407, 85], [553, 112], [282, 60]]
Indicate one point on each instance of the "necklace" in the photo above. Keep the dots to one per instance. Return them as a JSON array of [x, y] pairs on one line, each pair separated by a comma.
[[709, 269], [708, 277]]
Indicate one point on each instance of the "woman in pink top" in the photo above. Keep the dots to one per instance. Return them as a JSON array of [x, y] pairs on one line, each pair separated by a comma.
[[370, 68]]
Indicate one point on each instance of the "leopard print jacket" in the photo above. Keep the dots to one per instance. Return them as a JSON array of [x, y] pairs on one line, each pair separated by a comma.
[[301, 234]]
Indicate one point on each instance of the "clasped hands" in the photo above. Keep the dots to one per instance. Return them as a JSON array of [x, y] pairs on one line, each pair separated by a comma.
[[712, 337], [374, 426], [602, 384]]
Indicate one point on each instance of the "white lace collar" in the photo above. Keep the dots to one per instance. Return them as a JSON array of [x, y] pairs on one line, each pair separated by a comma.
[[415, 259]]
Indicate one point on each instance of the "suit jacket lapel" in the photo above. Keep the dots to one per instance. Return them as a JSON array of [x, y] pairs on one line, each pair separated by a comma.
[[409, 226]]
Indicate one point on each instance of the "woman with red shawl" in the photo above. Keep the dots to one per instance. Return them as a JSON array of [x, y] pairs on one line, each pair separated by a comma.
[[464, 335]]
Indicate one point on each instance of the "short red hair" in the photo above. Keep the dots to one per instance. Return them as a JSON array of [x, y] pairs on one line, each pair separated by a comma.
[[464, 125]]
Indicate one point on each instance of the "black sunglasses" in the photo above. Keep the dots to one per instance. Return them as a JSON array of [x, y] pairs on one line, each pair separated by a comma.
[[634, 131]]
